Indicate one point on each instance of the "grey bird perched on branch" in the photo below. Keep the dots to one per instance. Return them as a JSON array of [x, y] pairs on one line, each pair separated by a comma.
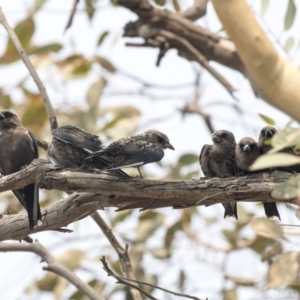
[[264, 144], [218, 160], [71, 145], [246, 152], [18, 149], [136, 151]]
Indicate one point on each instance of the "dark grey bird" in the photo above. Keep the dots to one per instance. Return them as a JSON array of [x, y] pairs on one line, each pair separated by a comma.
[[218, 160], [264, 142], [246, 152], [18, 149], [71, 145], [136, 151]]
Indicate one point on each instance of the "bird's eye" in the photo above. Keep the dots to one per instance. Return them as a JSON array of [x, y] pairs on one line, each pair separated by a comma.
[[223, 135], [160, 139]]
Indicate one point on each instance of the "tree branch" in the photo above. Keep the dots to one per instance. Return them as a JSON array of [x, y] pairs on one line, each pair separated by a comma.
[[123, 253], [276, 77], [31, 69], [53, 266], [97, 191], [126, 282], [197, 11]]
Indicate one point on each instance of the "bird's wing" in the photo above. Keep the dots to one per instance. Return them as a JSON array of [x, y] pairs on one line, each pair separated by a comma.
[[204, 159], [34, 144], [78, 138], [137, 155], [32, 191]]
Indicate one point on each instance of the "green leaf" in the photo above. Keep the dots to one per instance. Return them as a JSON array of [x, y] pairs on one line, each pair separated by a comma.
[[231, 236], [38, 5], [170, 233], [284, 270], [264, 6], [181, 280], [54, 47], [176, 5], [266, 228], [288, 190], [188, 159], [24, 30], [160, 2], [241, 280], [274, 160], [94, 93], [230, 294], [90, 8], [289, 44], [120, 216], [267, 119], [287, 137], [102, 37], [289, 15], [149, 222], [105, 64]]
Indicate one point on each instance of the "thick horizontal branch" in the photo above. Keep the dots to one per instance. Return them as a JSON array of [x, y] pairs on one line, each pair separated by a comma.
[[97, 191], [210, 44]]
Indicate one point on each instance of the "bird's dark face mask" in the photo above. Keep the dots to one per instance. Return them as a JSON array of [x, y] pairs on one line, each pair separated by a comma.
[[9, 120]]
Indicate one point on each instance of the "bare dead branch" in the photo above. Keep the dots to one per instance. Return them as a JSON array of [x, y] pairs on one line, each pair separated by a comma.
[[198, 56], [52, 265], [193, 108], [42, 144], [31, 69], [97, 191], [126, 282], [72, 13], [123, 253], [197, 11]]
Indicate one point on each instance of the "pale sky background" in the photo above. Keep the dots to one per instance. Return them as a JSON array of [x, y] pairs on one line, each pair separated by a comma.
[[187, 135]]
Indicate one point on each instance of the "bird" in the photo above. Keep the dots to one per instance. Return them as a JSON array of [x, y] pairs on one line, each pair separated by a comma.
[[218, 160], [265, 135], [19, 149], [136, 151], [246, 152], [71, 145]]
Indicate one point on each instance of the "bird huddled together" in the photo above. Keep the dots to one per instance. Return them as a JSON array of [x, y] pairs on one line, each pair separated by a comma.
[[72, 147], [226, 158]]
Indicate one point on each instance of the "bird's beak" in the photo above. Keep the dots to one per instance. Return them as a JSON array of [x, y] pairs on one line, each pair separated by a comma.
[[2, 116], [269, 133], [168, 145], [215, 138], [246, 148]]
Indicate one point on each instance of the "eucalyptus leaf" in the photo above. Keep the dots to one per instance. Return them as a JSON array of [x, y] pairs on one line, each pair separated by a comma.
[[267, 119], [288, 190], [289, 15], [266, 228], [284, 270], [274, 160]]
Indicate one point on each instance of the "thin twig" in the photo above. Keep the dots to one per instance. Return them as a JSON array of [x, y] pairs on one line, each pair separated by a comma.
[[125, 281], [199, 57], [197, 11], [71, 17], [42, 144], [53, 266], [31, 69], [123, 253]]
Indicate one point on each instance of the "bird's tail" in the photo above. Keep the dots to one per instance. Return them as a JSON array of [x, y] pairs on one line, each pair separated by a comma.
[[29, 197], [230, 210], [96, 153], [271, 210]]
